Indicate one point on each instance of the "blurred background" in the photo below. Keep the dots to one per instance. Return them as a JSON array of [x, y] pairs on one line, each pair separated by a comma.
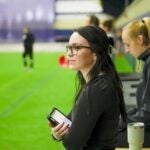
[[27, 96], [50, 19]]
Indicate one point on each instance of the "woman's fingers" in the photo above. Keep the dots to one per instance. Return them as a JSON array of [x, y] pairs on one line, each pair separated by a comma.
[[60, 130], [64, 127], [64, 132], [58, 127]]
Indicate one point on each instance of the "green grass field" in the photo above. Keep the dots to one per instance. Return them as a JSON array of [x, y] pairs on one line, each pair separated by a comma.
[[27, 97]]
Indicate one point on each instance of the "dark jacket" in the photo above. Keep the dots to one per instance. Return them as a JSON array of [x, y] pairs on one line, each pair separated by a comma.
[[142, 112], [95, 117]]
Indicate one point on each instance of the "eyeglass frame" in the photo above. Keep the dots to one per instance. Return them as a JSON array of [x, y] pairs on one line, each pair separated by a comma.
[[76, 47]]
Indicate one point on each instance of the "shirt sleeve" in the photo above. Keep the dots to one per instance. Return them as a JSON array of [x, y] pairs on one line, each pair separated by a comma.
[[146, 90], [143, 113], [145, 109], [89, 108]]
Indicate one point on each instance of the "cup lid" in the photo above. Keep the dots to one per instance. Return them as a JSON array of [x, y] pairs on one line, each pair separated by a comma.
[[136, 124]]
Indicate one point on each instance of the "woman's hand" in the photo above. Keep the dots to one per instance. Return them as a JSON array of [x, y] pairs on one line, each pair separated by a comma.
[[59, 131]]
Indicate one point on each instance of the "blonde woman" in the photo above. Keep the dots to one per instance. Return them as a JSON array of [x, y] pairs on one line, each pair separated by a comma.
[[136, 39]]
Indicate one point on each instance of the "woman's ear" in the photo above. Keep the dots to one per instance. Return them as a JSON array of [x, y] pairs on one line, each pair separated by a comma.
[[140, 40]]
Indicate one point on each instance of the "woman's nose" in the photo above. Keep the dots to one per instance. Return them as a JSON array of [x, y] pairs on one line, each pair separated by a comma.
[[70, 54]]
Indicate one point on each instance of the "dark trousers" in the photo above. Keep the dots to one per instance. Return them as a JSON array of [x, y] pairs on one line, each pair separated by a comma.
[[28, 52]]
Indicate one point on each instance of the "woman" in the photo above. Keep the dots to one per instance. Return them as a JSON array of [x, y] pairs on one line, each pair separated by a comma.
[[99, 99], [136, 38]]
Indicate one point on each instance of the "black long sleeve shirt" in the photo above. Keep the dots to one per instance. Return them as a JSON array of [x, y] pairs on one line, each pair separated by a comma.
[[28, 41], [142, 113], [94, 117]]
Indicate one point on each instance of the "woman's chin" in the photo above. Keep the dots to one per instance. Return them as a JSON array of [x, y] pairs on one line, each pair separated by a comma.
[[72, 67]]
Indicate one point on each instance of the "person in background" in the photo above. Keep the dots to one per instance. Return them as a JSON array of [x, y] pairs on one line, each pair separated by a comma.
[[92, 20], [107, 26], [118, 41], [28, 41], [98, 101], [136, 39]]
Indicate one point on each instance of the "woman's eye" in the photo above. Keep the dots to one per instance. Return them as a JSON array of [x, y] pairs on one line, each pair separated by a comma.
[[77, 47]]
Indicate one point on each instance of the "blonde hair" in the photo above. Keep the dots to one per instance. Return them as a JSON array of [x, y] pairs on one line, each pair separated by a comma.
[[139, 27], [146, 21]]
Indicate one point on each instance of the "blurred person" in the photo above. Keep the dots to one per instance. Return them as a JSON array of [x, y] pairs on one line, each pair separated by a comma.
[[92, 20], [99, 99], [28, 41], [118, 40], [107, 26], [136, 38]]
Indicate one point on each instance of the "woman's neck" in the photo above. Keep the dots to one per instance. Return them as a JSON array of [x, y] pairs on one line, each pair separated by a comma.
[[147, 47], [85, 76], [85, 72]]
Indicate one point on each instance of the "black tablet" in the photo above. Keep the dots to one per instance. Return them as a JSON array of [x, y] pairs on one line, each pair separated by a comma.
[[56, 117]]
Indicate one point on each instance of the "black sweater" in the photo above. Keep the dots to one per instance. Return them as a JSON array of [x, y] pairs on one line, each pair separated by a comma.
[[94, 117], [142, 112], [28, 40]]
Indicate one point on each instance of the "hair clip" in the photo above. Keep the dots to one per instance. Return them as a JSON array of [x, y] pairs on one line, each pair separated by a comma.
[[143, 21]]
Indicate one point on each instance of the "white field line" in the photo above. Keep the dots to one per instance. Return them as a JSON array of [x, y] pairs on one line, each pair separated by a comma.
[[38, 47]]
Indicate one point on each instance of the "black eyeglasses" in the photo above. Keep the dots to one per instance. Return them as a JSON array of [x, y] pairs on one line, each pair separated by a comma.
[[75, 48]]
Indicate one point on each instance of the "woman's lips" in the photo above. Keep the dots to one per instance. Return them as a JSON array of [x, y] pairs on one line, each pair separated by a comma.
[[71, 61]]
